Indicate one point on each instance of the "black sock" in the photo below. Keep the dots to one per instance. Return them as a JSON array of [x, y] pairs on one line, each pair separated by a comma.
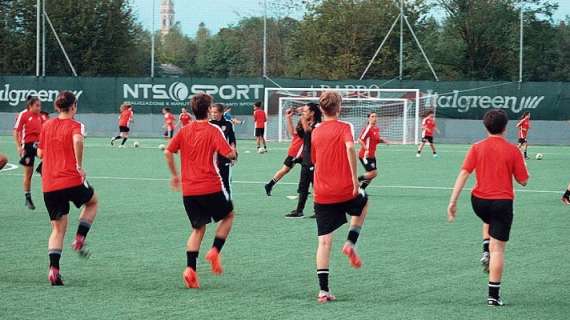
[[486, 245], [54, 256], [494, 288], [302, 201], [83, 228], [419, 152], [124, 141], [219, 243], [272, 182], [323, 275], [117, 138], [434, 152], [525, 155], [353, 234], [257, 146], [28, 195], [361, 178], [191, 257], [364, 184]]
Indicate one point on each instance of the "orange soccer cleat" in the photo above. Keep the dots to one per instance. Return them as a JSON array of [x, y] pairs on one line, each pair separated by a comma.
[[213, 257], [191, 278], [349, 251]]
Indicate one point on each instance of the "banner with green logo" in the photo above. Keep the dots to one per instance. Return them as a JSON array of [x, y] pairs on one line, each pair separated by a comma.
[[453, 99]]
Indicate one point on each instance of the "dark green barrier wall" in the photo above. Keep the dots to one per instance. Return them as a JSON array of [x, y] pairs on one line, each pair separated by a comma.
[[457, 99]]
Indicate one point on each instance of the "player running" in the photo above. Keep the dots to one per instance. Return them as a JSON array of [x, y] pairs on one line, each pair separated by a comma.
[[184, 118], [524, 126], [169, 123], [428, 128], [336, 188], [125, 119], [311, 116], [260, 118], [63, 181], [204, 194], [26, 135], [294, 153], [224, 164], [369, 138], [496, 162]]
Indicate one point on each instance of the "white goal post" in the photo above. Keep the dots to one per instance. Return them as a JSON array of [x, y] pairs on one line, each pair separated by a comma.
[[354, 116], [364, 98]]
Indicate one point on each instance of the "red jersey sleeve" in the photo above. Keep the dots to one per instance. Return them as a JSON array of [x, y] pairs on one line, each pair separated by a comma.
[[174, 144], [364, 133], [520, 170], [42, 137], [347, 135], [470, 161], [222, 146], [19, 125], [78, 129]]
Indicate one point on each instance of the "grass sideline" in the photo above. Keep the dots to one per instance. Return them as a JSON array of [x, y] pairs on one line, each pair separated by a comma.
[[416, 265]]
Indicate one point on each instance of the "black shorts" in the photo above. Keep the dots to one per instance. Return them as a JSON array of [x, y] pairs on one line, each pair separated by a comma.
[[498, 214], [290, 161], [57, 202], [259, 132], [522, 140], [168, 133], [29, 154], [332, 216], [124, 129], [369, 164], [201, 210], [427, 139], [306, 179]]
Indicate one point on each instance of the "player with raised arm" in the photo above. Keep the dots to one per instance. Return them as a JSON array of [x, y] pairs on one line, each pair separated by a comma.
[[224, 164], [369, 139], [429, 127], [259, 118], [169, 123], [26, 135], [228, 116], [524, 126], [495, 162], [294, 153], [125, 119], [204, 195], [336, 188], [184, 118], [63, 181], [311, 116]]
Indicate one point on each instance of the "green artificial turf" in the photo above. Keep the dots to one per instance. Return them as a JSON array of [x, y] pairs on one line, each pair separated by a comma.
[[416, 265]]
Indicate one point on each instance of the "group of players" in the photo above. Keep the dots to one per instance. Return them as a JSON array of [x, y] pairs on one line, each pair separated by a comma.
[[323, 144]]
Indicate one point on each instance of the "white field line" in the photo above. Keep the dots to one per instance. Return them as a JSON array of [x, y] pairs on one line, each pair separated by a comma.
[[295, 183], [9, 167]]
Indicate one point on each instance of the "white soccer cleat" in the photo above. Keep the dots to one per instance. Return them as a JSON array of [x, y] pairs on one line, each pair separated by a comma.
[[418, 155]]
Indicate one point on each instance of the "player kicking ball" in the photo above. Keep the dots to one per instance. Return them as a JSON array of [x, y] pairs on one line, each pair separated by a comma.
[[294, 153], [336, 188], [495, 162], [524, 126], [429, 127], [125, 119], [63, 181], [204, 196]]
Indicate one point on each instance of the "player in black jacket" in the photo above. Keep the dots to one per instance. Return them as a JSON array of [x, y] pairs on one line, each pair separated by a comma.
[[224, 164]]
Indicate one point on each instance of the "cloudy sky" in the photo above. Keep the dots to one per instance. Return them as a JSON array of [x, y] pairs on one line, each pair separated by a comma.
[[220, 13]]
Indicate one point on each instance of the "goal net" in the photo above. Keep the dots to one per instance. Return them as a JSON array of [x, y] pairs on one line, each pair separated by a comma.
[[398, 110]]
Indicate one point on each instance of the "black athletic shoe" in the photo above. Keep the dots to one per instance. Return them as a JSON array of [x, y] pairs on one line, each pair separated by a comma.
[[112, 141], [30, 203], [268, 189], [294, 215], [492, 302]]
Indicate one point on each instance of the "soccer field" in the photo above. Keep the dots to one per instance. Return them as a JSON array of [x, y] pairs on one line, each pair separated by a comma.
[[416, 265]]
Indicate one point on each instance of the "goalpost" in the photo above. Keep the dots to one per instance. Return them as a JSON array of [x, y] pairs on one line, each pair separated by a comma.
[[392, 114], [398, 109]]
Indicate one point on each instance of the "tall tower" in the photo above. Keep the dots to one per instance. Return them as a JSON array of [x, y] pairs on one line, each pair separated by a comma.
[[166, 16]]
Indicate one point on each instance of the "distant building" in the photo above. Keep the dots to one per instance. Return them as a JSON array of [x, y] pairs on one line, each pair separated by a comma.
[[166, 16]]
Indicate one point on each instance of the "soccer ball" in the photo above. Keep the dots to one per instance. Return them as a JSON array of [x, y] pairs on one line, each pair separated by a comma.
[[136, 144], [162, 147], [539, 156]]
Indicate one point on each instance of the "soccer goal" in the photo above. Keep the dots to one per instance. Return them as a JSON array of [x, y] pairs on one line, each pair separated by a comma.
[[398, 110]]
